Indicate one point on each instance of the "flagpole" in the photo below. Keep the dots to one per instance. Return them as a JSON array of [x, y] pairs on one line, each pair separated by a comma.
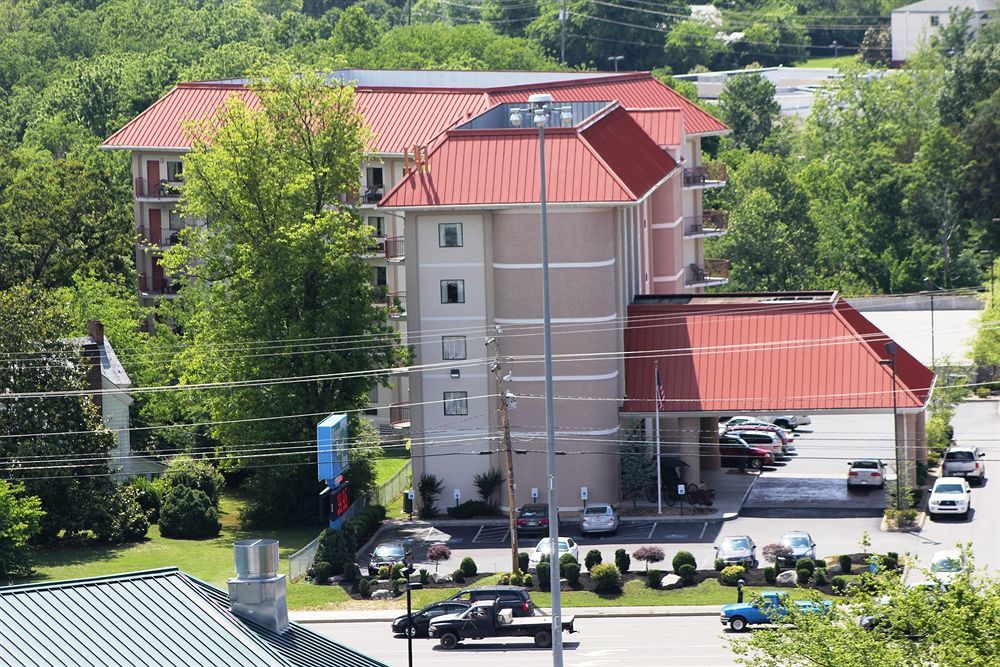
[[656, 402]]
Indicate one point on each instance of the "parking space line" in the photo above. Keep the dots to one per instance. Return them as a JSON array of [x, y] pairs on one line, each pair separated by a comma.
[[704, 527], [478, 532], [652, 530]]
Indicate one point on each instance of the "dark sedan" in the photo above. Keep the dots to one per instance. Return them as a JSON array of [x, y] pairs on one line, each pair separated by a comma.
[[421, 620], [387, 553]]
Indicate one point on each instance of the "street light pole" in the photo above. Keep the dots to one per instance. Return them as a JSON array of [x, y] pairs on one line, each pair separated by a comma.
[[890, 347]]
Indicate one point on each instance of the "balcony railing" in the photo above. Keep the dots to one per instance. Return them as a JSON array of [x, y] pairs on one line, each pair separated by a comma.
[[395, 250], [395, 303], [713, 222], [373, 194], [149, 285], [707, 174], [399, 415], [161, 189], [161, 238], [376, 247], [710, 271]]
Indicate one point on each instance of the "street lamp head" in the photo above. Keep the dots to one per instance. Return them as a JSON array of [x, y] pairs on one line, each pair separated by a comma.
[[515, 118], [890, 347], [566, 118], [539, 99], [539, 117]]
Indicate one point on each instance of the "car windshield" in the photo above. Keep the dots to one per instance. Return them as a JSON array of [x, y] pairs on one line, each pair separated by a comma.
[[948, 564], [596, 509], [866, 465], [543, 545], [948, 488], [959, 456], [533, 511], [796, 541], [388, 550], [736, 543]]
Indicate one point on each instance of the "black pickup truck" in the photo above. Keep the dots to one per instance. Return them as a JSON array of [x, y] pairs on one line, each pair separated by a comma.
[[488, 619]]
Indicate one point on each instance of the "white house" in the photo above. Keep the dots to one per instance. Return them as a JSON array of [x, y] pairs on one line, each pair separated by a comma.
[[916, 23]]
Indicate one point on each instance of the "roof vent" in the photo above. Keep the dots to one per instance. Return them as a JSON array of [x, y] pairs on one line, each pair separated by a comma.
[[258, 593]]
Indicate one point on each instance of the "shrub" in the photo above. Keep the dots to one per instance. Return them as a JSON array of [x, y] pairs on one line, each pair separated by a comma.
[[806, 563], [687, 573], [606, 577], [365, 588], [890, 561], [516, 579], [653, 578], [121, 518], [148, 497], [819, 577], [425, 576], [845, 563], [458, 576], [544, 575], [398, 585], [732, 574], [839, 585], [396, 571], [194, 474], [648, 555], [770, 574], [566, 559], [321, 572], [188, 514], [470, 508], [622, 561], [526, 580], [468, 567], [719, 565], [523, 559], [429, 488], [487, 484], [772, 552], [336, 547], [682, 557], [504, 579], [802, 575], [438, 553], [592, 558], [383, 571], [572, 573], [350, 570]]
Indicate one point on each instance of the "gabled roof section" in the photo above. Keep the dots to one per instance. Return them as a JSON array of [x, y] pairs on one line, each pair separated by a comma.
[[156, 617], [605, 159], [664, 126], [729, 355], [111, 368], [400, 118]]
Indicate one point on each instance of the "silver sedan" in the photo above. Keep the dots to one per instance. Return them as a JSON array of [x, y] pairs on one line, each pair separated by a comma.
[[599, 518]]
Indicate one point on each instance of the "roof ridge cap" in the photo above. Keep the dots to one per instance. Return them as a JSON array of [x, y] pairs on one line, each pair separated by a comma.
[[84, 581]]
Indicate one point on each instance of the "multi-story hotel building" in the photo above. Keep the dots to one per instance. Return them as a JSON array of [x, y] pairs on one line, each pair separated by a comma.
[[452, 190]]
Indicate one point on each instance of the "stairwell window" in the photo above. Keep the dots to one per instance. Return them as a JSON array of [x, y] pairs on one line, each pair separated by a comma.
[[935, 20], [452, 291], [453, 348], [450, 235], [456, 403]]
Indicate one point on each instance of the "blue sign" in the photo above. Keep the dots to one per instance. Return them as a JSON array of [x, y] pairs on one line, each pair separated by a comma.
[[332, 448]]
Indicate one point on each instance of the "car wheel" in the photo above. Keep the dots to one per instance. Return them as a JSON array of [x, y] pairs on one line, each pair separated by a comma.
[[754, 464], [738, 624], [449, 640], [965, 514], [543, 639], [410, 631]]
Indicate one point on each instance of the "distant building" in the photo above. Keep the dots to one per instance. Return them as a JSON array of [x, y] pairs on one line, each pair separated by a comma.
[[916, 23]]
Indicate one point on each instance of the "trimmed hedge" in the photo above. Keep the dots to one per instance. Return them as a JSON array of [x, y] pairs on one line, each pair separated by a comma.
[[687, 573], [606, 577], [188, 514], [523, 560], [470, 508], [468, 567], [682, 557], [771, 574], [653, 578], [572, 573], [592, 558], [732, 574], [622, 561], [845, 563], [321, 572]]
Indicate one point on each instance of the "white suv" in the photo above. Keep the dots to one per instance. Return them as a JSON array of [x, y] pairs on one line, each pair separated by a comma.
[[950, 495]]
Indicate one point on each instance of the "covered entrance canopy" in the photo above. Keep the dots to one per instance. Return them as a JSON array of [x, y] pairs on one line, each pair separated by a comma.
[[785, 352]]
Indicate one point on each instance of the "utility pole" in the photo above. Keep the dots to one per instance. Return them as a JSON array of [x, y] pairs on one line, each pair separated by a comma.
[[563, 16], [508, 401]]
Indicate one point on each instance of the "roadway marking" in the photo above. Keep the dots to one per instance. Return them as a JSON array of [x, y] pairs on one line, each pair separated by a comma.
[[651, 531], [704, 527], [478, 532], [492, 534], [636, 530]]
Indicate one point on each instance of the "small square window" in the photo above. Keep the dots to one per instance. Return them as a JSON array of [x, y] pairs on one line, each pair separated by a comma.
[[175, 171], [935, 20], [379, 276], [452, 291], [456, 402], [450, 235], [377, 223], [453, 347]]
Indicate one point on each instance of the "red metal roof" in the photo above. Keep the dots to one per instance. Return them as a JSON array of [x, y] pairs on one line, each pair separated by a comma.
[[609, 160], [664, 126], [754, 357], [400, 119]]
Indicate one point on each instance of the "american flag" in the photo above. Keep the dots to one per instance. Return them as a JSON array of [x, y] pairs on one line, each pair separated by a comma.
[[660, 397]]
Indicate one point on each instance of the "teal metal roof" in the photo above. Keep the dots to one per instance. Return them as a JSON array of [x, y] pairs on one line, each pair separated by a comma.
[[157, 617]]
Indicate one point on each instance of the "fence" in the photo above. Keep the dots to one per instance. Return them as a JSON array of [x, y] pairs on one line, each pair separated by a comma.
[[385, 493], [300, 561]]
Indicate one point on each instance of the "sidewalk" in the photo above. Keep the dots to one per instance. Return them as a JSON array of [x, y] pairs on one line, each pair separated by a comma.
[[380, 615]]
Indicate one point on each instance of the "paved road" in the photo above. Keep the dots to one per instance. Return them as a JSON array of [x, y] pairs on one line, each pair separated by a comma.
[[695, 641], [822, 454]]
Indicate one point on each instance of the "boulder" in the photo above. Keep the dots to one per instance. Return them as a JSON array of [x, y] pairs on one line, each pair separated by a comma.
[[564, 585], [834, 569], [382, 594], [669, 580], [441, 578], [787, 578]]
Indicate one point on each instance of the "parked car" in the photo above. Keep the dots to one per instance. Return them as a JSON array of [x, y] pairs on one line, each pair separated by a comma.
[[542, 550], [515, 598], [946, 565], [760, 438], [790, 422], [800, 545], [737, 453], [964, 462], [386, 553], [484, 619], [950, 495], [737, 550], [599, 518], [787, 441], [866, 472], [533, 518], [773, 608], [421, 620]]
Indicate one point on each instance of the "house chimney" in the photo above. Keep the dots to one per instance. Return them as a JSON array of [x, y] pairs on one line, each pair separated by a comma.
[[258, 593], [92, 357], [95, 329]]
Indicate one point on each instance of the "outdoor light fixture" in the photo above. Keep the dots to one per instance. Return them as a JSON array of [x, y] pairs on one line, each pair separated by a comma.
[[515, 118]]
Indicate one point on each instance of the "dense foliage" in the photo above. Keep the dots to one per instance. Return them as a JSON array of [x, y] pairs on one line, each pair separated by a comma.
[[188, 514], [20, 519]]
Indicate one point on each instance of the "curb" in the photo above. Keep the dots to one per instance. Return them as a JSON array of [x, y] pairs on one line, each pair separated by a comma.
[[585, 612]]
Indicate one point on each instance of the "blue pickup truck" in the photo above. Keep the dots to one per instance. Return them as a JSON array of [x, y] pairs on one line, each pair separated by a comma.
[[772, 608]]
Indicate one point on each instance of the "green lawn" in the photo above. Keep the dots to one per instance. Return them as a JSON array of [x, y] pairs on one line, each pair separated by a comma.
[[829, 61], [385, 468], [209, 560]]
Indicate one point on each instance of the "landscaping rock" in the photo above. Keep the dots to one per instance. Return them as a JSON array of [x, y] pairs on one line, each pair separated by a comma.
[[669, 580], [382, 594], [441, 578], [787, 578], [564, 585], [834, 569]]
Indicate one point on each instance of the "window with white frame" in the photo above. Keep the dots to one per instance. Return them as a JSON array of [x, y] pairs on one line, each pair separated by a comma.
[[456, 402], [452, 291], [450, 235], [453, 347]]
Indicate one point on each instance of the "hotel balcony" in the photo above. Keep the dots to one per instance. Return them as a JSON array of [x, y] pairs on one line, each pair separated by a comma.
[[707, 274], [377, 247], [713, 222], [373, 194], [399, 415], [705, 175], [162, 189], [395, 303], [395, 249], [159, 239], [150, 286]]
